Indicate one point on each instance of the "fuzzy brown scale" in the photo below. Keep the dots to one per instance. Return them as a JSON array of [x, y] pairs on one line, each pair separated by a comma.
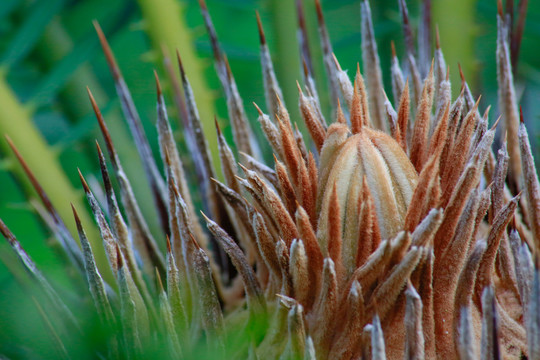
[[390, 232]]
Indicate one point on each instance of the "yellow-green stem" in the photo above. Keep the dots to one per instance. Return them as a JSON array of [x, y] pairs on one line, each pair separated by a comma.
[[165, 24], [456, 21], [16, 122], [286, 55]]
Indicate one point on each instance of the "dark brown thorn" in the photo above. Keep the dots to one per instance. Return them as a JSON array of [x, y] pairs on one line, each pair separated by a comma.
[[320, 15], [437, 38], [258, 109], [77, 218], [98, 148], [218, 129], [461, 74], [83, 182], [393, 48], [300, 15], [448, 73], [306, 70], [103, 127], [180, 65], [109, 56], [31, 177], [228, 67], [169, 251], [158, 86], [104, 172], [262, 38], [202, 5], [195, 243], [500, 8], [521, 115]]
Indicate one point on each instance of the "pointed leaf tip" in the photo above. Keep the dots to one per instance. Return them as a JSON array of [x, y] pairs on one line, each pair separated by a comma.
[[258, 109], [218, 129], [93, 101], [461, 75], [109, 56], [228, 67], [158, 85], [35, 183], [195, 243], [497, 123], [83, 182], [180, 65], [299, 88], [202, 5], [305, 67], [336, 62], [320, 15], [500, 8], [103, 127], [262, 38], [76, 216], [206, 218]]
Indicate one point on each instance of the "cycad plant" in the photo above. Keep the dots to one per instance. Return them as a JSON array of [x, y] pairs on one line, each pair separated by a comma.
[[385, 230]]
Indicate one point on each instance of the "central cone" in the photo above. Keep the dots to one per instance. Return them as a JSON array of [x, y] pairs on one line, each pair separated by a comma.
[[349, 163]]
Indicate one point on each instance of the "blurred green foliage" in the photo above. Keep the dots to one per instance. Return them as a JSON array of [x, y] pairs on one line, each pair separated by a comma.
[[49, 53]]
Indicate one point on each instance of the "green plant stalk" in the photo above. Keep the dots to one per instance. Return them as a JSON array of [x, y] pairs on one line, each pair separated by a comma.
[[317, 56], [457, 34], [286, 54], [16, 122], [165, 25]]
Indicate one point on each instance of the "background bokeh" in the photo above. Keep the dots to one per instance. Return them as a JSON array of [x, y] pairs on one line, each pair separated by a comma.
[[49, 53]]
